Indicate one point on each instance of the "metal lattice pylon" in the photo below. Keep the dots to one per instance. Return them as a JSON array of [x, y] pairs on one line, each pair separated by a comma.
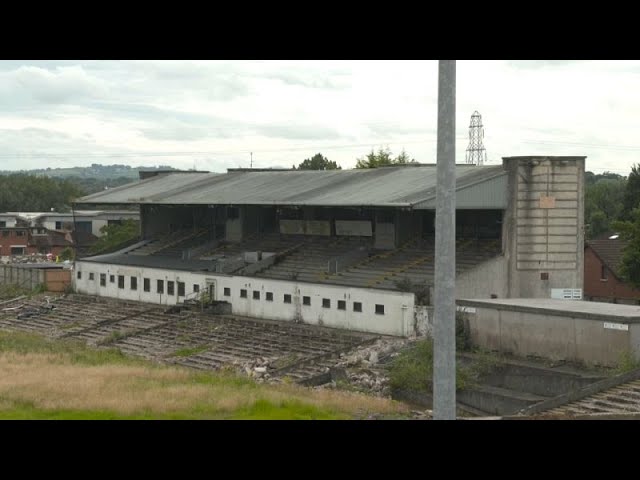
[[476, 153]]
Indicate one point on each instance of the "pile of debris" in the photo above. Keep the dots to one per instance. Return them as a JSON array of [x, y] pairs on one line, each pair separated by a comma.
[[258, 368], [383, 350]]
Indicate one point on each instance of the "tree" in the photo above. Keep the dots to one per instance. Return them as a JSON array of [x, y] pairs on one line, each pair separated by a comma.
[[115, 236], [383, 157], [631, 198], [318, 162], [629, 230], [603, 204], [23, 193]]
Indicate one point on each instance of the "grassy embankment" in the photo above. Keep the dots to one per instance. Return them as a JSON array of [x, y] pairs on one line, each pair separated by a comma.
[[55, 379]]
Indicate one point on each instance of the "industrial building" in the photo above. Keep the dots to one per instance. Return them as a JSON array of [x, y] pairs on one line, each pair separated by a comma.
[[344, 248]]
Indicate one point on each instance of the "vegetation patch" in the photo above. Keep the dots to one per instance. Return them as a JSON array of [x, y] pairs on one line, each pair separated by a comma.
[[187, 352], [412, 369], [64, 379], [627, 363], [113, 337], [9, 291]]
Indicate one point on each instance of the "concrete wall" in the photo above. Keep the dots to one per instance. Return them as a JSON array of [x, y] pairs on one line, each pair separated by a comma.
[[398, 317], [24, 277], [233, 230], [486, 279], [543, 229], [555, 337], [385, 236], [610, 289]]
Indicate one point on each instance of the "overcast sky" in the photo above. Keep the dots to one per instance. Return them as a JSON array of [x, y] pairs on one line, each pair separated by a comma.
[[212, 114]]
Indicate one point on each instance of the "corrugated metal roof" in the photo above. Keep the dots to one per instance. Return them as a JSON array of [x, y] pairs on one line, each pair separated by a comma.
[[389, 186], [481, 192]]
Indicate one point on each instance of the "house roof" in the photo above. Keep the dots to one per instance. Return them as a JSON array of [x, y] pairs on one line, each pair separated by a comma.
[[609, 251], [407, 186]]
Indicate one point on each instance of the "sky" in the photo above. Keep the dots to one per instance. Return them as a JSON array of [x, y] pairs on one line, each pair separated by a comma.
[[214, 115]]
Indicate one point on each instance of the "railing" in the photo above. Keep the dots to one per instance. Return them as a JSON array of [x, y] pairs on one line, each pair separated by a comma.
[[342, 262]]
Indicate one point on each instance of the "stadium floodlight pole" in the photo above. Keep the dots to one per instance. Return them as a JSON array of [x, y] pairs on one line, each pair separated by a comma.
[[444, 333]]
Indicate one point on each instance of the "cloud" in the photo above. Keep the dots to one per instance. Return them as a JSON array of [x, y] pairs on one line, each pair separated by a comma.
[[299, 132], [184, 132], [535, 64], [59, 86]]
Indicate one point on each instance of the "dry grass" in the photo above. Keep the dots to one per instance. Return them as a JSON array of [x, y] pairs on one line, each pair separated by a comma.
[[59, 381]]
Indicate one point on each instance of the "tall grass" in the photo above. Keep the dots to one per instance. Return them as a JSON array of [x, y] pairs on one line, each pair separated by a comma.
[[62, 379]]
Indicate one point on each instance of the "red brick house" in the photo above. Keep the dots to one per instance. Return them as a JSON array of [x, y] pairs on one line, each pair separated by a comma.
[[602, 281], [30, 240]]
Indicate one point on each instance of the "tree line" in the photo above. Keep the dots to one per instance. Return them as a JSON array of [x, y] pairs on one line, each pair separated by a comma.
[[373, 159], [21, 192]]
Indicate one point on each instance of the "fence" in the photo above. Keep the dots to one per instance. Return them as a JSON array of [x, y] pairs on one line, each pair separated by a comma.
[[55, 280]]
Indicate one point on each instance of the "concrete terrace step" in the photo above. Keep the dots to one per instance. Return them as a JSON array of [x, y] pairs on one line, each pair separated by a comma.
[[497, 400]]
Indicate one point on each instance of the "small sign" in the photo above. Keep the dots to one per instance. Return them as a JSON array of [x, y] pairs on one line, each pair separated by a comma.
[[466, 309], [547, 202], [616, 326]]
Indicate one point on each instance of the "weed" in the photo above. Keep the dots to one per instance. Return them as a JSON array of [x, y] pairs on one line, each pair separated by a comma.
[[187, 352], [413, 369], [627, 362], [113, 338]]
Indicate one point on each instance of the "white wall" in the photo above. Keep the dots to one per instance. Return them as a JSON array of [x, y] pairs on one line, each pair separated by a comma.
[[10, 221], [398, 315], [96, 225]]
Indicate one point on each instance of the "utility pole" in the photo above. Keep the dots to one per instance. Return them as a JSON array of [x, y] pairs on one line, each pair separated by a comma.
[[444, 337], [251, 159]]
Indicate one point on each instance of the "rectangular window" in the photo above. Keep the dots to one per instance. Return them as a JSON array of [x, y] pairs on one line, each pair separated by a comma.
[[287, 298], [82, 227], [227, 292], [357, 306], [17, 250], [91, 276], [134, 283], [196, 288], [58, 225], [170, 287], [243, 293], [146, 284], [256, 295], [79, 275], [160, 286], [603, 272], [181, 289], [20, 233], [269, 296], [3, 223], [103, 279], [112, 279], [120, 281], [342, 305], [306, 300], [326, 303], [379, 309], [6, 233]]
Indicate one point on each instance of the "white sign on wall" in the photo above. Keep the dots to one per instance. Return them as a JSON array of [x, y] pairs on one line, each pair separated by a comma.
[[616, 326]]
